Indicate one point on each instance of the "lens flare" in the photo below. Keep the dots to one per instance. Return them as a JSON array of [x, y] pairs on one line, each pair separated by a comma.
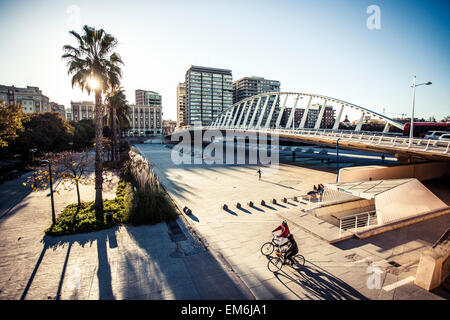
[[93, 83]]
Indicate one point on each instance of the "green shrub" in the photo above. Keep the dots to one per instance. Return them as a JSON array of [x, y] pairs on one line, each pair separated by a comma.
[[146, 201], [140, 199], [74, 219]]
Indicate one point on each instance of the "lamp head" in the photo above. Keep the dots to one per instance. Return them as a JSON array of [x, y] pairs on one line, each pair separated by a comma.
[[44, 162]]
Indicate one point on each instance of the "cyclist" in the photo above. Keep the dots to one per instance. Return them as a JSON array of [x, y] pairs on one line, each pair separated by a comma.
[[293, 249], [282, 237]]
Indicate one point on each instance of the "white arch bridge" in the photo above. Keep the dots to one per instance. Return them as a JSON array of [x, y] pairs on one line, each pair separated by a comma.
[[265, 111], [275, 113]]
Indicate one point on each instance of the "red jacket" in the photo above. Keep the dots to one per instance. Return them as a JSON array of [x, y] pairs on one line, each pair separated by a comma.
[[284, 231]]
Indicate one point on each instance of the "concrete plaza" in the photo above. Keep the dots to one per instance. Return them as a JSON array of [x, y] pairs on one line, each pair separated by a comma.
[[126, 262], [211, 254], [381, 267]]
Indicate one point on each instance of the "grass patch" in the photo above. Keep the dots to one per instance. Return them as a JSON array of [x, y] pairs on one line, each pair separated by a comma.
[[140, 199], [78, 219]]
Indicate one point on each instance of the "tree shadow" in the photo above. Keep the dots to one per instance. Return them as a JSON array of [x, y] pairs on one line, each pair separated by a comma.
[[103, 240], [12, 193]]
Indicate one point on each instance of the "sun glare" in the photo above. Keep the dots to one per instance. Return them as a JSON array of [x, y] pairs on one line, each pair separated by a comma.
[[93, 83]]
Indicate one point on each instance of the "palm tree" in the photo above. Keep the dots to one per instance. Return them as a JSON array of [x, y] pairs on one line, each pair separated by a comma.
[[116, 100], [95, 67]]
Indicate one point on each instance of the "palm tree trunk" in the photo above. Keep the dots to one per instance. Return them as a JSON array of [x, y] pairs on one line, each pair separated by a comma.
[[111, 126], [98, 154], [114, 133]]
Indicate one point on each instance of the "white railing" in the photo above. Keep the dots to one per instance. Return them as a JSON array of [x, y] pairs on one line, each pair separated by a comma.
[[364, 137], [356, 221]]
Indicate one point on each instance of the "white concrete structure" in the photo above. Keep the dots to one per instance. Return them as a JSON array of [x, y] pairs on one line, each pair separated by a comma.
[[395, 199]]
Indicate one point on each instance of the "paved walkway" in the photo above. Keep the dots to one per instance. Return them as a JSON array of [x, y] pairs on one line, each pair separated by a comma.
[[145, 262], [354, 269]]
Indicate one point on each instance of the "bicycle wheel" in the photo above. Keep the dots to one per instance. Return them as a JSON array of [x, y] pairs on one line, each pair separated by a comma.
[[298, 261], [267, 248], [275, 264]]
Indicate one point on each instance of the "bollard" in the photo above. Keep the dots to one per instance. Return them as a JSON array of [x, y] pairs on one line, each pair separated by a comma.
[[263, 203], [250, 204], [284, 200], [274, 201], [225, 207], [238, 205]]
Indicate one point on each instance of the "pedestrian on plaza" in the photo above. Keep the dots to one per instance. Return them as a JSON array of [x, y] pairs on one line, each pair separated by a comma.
[[259, 173]]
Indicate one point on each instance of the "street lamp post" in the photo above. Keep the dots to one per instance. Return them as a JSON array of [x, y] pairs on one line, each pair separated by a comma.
[[411, 129], [34, 167], [43, 163], [337, 159]]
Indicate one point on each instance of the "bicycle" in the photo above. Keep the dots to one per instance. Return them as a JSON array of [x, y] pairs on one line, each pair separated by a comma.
[[276, 263], [268, 247]]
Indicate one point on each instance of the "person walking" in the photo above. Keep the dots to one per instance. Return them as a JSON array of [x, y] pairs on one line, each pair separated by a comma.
[[259, 174]]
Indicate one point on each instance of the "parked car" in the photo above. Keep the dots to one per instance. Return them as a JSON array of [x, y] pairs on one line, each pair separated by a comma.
[[434, 134], [444, 137]]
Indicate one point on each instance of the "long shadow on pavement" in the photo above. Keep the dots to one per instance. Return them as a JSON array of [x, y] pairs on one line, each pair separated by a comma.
[[317, 283], [101, 238]]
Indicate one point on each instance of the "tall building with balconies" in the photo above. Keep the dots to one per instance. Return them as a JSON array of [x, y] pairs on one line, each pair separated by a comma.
[[252, 86], [182, 118], [146, 115], [209, 91], [30, 98], [82, 110], [145, 119], [327, 121], [147, 98], [56, 107]]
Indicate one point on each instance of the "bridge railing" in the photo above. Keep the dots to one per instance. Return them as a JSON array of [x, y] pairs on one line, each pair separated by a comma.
[[384, 139], [367, 137]]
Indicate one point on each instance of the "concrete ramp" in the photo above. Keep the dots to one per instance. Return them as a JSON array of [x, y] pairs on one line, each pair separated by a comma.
[[395, 199], [406, 200]]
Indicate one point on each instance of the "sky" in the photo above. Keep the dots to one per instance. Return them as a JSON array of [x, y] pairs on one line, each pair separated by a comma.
[[326, 47]]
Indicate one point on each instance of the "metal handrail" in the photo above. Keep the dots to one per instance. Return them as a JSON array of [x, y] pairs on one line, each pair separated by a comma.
[[365, 137], [345, 222]]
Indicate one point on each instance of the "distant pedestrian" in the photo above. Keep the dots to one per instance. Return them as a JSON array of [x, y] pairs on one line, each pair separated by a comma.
[[259, 173], [382, 158]]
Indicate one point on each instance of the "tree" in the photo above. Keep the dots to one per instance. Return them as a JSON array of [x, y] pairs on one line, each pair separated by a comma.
[[84, 133], [67, 166], [116, 100], [12, 119], [95, 67], [73, 166], [446, 119], [46, 131]]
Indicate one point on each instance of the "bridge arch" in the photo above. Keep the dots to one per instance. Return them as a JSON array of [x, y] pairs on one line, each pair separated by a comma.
[[267, 110]]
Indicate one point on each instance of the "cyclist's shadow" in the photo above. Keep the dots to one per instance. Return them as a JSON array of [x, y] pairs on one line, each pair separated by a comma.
[[316, 283]]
